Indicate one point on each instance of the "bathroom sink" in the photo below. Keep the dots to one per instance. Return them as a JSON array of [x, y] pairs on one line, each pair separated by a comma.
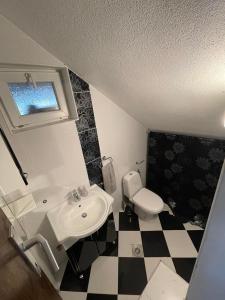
[[79, 219]]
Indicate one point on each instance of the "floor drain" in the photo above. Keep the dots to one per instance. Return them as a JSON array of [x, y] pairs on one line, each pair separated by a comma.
[[137, 250], [84, 215]]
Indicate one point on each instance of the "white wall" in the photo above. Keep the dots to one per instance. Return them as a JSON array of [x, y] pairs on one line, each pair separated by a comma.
[[11, 182], [207, 280], [10, 179], [51, 155], [121, 137]]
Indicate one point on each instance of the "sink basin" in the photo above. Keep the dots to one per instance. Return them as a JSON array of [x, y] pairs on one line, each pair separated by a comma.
[[79, 219]]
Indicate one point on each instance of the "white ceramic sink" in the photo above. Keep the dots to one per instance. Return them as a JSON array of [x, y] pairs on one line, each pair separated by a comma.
[[75, 220]]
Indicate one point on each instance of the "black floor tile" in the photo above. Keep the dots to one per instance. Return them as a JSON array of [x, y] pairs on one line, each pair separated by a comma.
[[154, 244], [101, 297], [128, 222], [184, 267], [132, 276], [170, 222], [71, 282], [196, 237], [111, 249]]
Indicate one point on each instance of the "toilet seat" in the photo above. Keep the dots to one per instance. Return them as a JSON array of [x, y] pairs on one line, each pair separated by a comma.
[[148, 201]]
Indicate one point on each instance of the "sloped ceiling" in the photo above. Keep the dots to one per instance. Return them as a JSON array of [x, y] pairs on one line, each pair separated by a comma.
[[162, 61]]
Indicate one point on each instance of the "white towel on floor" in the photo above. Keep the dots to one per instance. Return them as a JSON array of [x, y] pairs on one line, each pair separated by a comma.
[[165, 284], [109, 177]]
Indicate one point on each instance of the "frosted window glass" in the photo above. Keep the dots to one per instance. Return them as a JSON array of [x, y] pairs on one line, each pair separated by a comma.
[[30, 99]]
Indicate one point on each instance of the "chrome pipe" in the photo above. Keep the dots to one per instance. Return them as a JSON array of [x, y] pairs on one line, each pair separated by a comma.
[[40, 240]]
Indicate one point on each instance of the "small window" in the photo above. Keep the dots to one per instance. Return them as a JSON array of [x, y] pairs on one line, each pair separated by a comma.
[[36, 97], [31, 99]]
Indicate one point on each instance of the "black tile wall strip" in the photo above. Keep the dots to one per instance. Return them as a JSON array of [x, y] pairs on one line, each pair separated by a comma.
[[94, 171], [86, 128], [86, 119], [78, 84], [89, 144], [83, 100]]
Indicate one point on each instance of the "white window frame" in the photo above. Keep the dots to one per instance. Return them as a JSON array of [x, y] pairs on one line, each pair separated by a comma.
[[63, 91]]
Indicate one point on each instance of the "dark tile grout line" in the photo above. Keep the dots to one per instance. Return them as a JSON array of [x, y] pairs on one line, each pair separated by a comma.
[[82, 92], [89, 129], [89, 162]]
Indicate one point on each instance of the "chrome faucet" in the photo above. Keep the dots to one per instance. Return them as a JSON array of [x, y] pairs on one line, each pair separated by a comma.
[[75, 195]]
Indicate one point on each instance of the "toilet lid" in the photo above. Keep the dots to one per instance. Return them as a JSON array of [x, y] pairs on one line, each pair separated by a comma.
[[149, 201]]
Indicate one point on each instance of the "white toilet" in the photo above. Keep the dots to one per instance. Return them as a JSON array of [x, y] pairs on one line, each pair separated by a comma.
[[146, 203]]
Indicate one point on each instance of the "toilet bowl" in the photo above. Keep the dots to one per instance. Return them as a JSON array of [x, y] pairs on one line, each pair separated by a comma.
[[146, 203]]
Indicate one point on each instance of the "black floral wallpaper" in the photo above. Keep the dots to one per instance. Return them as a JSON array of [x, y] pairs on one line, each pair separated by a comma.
[[87, 129], [184, 171]]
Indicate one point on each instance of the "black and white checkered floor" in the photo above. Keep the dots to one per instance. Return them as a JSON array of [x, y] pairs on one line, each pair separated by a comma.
[[124, 273]]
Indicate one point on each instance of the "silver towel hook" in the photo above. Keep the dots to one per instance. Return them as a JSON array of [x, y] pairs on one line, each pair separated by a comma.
[[139, 162], [105, 158]]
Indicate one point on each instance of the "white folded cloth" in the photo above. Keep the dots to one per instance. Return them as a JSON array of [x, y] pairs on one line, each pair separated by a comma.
[[109, 177]]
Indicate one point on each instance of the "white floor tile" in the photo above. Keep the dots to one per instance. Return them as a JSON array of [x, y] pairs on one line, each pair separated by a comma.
[[128, 297], [73, 295], [104, 276], [189, 226], [126, 240], [151, 264], [151, 224], [179, 243]]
